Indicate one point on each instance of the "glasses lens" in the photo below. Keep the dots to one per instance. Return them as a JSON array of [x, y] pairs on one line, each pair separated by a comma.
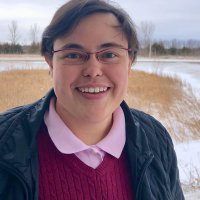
[[72, 57], [112, 55]]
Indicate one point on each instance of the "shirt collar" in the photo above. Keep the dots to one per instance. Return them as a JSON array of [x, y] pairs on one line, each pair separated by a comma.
[[113, 143], [66, 142]]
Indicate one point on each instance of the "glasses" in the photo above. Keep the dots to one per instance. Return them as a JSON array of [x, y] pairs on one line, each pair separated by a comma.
[[114, 55]]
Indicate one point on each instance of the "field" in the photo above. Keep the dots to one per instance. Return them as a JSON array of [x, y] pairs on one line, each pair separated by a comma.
[[166, 98], [163, 97]]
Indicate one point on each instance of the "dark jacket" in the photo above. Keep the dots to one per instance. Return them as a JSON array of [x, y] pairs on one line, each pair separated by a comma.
[[150, 152]]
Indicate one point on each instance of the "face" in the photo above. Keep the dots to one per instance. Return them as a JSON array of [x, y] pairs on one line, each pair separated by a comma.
[[90, 92]]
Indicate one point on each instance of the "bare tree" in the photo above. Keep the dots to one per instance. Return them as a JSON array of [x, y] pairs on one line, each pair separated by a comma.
[[14, 34], [147, 29], [34, 30], [178, 44], [193, 44]]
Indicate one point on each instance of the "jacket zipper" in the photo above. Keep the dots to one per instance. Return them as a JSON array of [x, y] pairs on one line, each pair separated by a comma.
[[17, 174], [145, 166]]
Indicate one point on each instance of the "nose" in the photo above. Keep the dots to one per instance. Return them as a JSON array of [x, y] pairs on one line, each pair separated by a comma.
[[92, 67]]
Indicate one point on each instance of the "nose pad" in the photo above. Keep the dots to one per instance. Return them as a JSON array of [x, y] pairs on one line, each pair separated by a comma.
[[92, 67]]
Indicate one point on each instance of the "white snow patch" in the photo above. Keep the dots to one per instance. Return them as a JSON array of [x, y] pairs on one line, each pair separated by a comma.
[[188, 155], [186, 70]]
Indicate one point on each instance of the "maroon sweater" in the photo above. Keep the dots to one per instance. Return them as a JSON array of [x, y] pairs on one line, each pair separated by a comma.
[[65, 177]]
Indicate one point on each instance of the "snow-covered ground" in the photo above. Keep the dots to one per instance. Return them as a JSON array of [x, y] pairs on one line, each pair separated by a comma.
[[188, 154], [186, 70], [189, 161]]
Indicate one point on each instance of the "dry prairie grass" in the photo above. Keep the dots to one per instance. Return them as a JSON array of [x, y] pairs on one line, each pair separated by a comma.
[[162, 97], [19, 87], [166, 99]]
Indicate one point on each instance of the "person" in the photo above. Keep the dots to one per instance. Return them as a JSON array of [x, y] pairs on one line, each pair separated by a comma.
[[82, 141]]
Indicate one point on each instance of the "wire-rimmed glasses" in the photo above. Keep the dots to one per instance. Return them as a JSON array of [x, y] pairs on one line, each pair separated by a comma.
[[112, 55]]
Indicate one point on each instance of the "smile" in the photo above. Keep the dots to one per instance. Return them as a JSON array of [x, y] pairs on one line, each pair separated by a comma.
[[93, 89]]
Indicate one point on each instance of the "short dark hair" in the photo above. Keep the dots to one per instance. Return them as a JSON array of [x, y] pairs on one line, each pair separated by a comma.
[[69, 15]]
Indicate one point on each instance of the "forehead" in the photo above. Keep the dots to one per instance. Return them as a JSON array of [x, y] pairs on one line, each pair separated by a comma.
[[94, 30], [108, 20]]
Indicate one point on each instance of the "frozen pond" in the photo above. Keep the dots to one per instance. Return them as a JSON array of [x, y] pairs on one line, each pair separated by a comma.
[[20, 64], [186, 70]]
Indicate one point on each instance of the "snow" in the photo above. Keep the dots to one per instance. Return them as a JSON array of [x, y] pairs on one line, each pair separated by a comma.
[[192, 195], [186, 70], [188, 155], [22, 64]]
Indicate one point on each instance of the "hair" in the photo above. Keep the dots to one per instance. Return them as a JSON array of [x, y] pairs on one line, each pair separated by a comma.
[[69, 15]]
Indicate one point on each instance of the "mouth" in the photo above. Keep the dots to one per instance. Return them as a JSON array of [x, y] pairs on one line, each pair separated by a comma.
[[93, 90]]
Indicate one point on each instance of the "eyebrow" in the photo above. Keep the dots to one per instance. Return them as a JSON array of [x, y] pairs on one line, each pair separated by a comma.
[[111, 44], [102, 46], [72, 46]]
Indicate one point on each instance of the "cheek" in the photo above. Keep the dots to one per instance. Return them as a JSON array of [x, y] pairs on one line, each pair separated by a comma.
[[120, 75], [59, 78], [65, 77]]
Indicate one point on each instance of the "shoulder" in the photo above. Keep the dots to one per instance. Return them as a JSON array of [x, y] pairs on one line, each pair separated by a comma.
[[148, 122], [148, 129], [12, 117], [153, 128]]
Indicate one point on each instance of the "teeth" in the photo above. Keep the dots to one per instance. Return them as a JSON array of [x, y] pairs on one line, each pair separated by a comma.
[[102, 89], [93, 90], [96, 90]]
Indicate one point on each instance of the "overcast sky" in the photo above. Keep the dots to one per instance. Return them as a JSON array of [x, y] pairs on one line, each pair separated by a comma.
[[178, 19]]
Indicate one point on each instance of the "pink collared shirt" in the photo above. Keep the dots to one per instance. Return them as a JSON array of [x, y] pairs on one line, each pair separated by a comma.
[[66, 142]]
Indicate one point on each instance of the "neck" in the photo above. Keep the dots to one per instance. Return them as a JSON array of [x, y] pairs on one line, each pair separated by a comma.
[[88, 131]]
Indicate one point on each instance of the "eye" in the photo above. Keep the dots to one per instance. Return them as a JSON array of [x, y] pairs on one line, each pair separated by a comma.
[[73, 55], [107, 55]]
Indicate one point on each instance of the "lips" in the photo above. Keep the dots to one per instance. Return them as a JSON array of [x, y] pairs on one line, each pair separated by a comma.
[[92, 90]]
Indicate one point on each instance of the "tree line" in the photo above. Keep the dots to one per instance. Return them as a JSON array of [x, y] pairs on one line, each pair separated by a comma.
[[171, 47], [148, 45], [14, 47], [151, 47], [8, 48]]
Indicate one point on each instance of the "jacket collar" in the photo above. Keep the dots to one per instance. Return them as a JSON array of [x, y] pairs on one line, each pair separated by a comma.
[[135, 133], [137, 147]]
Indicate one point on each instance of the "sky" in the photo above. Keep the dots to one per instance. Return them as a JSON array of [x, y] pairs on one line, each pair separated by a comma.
[[173, 19]]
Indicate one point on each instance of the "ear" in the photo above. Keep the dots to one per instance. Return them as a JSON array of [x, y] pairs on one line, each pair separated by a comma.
[[132, 61], [130, 65], [49, 61]]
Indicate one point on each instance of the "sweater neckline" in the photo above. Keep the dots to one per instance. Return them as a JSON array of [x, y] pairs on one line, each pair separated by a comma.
[[73, 162], [106, 165]]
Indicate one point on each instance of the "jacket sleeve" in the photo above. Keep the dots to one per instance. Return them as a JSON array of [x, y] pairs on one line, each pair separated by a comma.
[[168, 156], [4, 182], [173, 172]]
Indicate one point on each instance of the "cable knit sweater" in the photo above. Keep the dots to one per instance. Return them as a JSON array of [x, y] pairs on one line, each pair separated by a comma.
[[65, 177]]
